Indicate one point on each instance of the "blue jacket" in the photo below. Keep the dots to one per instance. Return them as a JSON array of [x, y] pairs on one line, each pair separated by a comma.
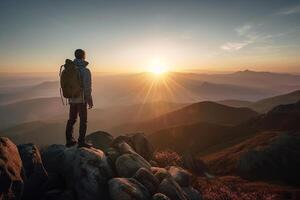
[[86, 78]]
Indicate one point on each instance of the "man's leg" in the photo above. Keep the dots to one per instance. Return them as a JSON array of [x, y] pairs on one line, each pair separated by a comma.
[[83, 122], [70, 124]]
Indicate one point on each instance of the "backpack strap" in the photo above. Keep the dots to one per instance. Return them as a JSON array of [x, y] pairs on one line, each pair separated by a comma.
[[60, 89]]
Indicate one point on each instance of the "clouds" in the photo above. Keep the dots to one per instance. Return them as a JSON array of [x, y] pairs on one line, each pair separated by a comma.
[[246, 32], [290, 10], [234, 46], [243, 29]]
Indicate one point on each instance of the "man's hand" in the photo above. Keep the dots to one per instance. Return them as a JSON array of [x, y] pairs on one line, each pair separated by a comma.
[[90, 102]]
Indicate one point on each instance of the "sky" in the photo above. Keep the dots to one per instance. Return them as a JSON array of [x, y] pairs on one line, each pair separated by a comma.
[[132, 35]]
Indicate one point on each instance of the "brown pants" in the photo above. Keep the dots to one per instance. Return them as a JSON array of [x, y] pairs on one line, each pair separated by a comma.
[[75, 110]]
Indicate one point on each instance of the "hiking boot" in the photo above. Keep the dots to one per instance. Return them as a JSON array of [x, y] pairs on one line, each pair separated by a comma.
[[71, 143], [84, 144]]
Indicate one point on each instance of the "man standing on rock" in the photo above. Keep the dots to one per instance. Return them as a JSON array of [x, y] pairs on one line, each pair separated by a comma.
[[78, 105]]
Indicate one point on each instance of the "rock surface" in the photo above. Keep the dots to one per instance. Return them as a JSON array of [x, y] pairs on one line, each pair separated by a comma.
[[11, 182], [181, 176], [192, 193], [171, 189], [128, 164], [127, 189], [60, 173], [160, 196], [86, 172], [100, 140], [145, 177], [36, 175]]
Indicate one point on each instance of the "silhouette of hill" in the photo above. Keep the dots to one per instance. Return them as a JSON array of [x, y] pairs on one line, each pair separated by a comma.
[[44, 89], [266, 104], [49, 124], [126, 89], [210, 112], [30, 110], [269, 103], [199, 138]]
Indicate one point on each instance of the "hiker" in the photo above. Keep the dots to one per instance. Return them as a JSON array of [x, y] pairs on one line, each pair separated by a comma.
[[79, 100]]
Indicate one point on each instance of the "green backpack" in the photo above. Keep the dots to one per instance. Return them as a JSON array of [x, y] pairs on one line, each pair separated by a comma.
[[70, 80]]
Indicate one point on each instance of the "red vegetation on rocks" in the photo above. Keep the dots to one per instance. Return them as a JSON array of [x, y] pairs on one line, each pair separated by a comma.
[[235, 188], [167, 158]]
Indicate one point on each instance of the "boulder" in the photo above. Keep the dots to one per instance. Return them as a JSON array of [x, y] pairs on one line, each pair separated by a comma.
[[142, 145], [11, 182], [112, 156], [124, 147], [160, 173], [192, 193], [127, 189], [153, 163], [145, 177], [36, 175], [100, 140], [52, 158], [139, 144], [86, 172], [171, 189], [128, 164], [181, 176], [160, 196]]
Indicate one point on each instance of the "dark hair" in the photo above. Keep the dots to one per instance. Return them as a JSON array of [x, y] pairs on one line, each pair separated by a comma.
[[79, 53]]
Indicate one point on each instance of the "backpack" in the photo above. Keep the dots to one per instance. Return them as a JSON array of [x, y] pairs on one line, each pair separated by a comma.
[[70, 80]]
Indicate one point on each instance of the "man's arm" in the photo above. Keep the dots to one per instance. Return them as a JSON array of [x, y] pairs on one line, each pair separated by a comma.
[[88, 88]]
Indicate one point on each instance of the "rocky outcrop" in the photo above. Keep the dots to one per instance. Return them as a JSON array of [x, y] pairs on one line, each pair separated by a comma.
[[138, 142], [127, 189], [160, 196], [11, 181], [192, 193], [181, 176], [128, 164], [86, 172], [117, 173], [35, 173], [100, 140], [171, 189], [147, 179]]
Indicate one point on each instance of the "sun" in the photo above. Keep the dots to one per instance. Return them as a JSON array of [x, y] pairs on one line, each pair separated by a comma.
[[157, 68]]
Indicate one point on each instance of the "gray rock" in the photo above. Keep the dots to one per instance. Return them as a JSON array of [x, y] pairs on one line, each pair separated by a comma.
[[145, 177], [124, 148], [192, 193], [181, 176], [160, 173], [127, 189], [142, 145], [128, 164], [52, 158], [160, 196], [153, 163], [11, 182], [86, 172], [171, 189], [100, 140], [36, 175], [112, 155], [138, 143]]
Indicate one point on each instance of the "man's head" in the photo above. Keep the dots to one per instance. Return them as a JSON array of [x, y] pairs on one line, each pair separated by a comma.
[[79, 54]]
